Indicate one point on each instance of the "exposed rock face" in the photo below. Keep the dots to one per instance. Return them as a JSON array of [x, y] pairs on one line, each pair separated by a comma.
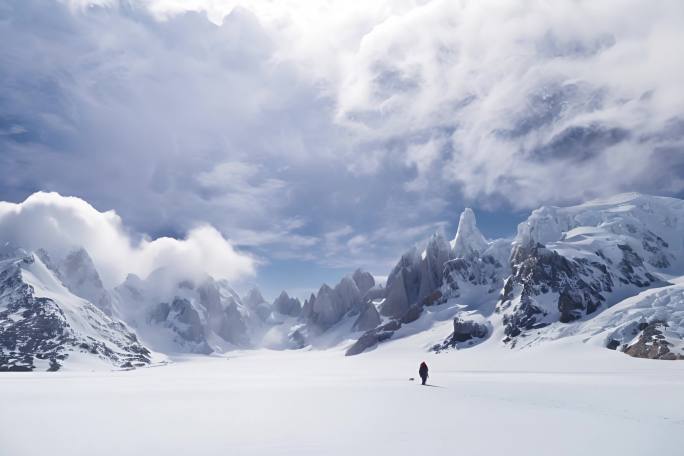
[[475, 271], [286, 305], [545, 286], [364, 281], [307, 308], [466, 333], [326, 309], [368, 319], [39, 332], [436, 255], [652, 343], [568, 263], [471, 261], [403, 285], [348, 295], [473, 267], [330, 305], [649, 326], [396, 301], [371, 338], [466, 330]]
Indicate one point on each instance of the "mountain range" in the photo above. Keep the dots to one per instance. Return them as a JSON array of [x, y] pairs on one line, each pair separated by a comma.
[[609, 272]]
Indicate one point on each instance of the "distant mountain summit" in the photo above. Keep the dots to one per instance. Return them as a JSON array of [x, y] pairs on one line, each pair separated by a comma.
[[609, 272], [43, 325], [565, 267]]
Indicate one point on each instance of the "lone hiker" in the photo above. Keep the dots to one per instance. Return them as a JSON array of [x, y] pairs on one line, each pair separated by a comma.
[[423, 372]]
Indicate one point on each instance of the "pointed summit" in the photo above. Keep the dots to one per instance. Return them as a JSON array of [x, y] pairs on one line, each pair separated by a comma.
[[469, 240], [287, 305], [253, 298], [437, 245], [364, 280]]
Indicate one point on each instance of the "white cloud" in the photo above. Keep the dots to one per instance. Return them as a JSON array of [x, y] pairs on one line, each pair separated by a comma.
[[279, 122], [526, 92], [59, 224], [520, 91]]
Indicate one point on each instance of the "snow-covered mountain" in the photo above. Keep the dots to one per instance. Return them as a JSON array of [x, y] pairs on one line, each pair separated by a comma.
[[565, 267], [185, 316], [78, 274], [43, 324], [608, 272]]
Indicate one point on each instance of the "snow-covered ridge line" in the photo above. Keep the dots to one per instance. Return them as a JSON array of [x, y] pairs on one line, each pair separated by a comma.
[[566, 270]]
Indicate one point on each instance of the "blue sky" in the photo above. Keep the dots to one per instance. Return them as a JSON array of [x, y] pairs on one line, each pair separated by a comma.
[[321, 137]]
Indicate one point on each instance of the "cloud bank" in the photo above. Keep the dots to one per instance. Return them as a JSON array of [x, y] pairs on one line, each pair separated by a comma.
[[61, 224]]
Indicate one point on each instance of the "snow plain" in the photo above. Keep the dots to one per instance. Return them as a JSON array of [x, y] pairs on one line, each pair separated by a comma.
[[556, 398]]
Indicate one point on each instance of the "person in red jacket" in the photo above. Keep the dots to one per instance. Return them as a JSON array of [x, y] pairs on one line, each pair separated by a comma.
[[423, 372]]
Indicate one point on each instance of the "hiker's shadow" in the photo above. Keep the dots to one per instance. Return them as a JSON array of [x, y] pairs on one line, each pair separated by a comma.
[[433, 386]]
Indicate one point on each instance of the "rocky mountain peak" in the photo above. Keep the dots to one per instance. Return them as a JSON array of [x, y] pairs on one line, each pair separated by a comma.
[[469, 240], [364, 280], [253, 298], [286, 305]]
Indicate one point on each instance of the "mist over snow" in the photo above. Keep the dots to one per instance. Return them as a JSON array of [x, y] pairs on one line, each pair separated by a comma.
[[61, 224], [337, 133]]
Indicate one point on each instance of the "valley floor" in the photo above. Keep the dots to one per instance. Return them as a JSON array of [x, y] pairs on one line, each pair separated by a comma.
[[488, 400]]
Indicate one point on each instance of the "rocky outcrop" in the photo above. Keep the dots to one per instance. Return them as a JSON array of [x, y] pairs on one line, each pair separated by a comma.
[[285, 305], [473, 271], [652, 343], [465, 330], [368, 319], [372, 338], [466, 333]]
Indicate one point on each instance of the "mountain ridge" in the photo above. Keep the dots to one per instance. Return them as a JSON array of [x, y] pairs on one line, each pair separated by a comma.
[[615, 260]]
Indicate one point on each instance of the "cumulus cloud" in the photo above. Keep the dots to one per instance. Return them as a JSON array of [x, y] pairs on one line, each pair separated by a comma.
[[61, 224], [278, 123]]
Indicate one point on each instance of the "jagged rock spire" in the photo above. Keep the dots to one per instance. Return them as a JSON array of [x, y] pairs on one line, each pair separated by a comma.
[[469, 240]]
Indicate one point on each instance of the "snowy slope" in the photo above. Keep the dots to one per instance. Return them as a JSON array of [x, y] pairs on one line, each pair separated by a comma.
[[42, 324], [565, 400]]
